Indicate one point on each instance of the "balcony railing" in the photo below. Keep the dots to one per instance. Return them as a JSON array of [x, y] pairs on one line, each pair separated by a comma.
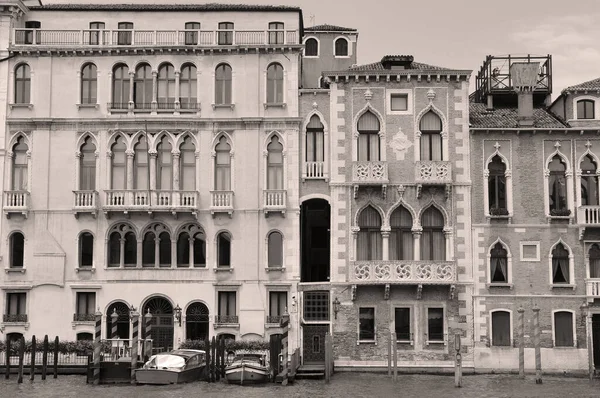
[[274, 319], [84, 317], [433, 172], [226, 319], [221, 201], [404, 272], [275, 199], [314, 170], [151, 38], [592, 288], [370, 173], [14, 318], [130, 199], [16, 202], [588, 215], [85, 200]]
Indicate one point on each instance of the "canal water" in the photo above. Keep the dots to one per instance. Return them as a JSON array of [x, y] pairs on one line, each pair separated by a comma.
[[343, 385]]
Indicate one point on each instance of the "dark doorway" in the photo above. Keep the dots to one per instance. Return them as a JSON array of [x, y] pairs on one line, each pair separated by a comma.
[[162, 323], [596, 339], [314, 240], [313, 342], [196, 322], [122, 320]]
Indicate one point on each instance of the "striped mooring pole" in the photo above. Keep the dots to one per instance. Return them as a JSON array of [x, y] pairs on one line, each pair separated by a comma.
[[135, 317], [285, 323], [114, 317], [536, 342], [521, 312], [97, 345], [148, 335]]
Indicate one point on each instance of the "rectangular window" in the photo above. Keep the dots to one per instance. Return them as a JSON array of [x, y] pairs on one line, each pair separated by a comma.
[[402, 321], [530, 251], [316, 306], [29, 33], [277, 305], [227, 307], [225, 35], [125, 34], [276, 33], [563, 329], [86, 304], [96, 29], [366, 319], [398, 102], [15, 303], [435, 324], [314, 145], [191, 34], [501, 329]]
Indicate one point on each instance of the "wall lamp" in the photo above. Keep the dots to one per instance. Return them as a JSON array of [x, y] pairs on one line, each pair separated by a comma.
[[178, 314], [336, 307]]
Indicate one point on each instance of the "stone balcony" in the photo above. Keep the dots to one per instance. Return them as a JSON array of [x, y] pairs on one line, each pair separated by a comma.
[[313, 171], [132, 200], [370, 173], [592, 289], [274, 200], [221, 202], [16, 202], [403, 272], [85, 202], [14, 318], [433, 172]]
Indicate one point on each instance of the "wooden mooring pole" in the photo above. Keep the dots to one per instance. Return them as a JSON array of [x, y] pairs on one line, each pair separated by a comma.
[[207, 367], [135, 322], [32, 362], [536, 342], [97, 347], [45, 358], [285, 323], [395, 350], [457, 361], [7, 355], [21, 355], [521, 312], [55, 357]]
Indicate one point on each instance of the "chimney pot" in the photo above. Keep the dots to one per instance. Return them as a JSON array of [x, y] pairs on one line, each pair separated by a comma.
[[490, 102]]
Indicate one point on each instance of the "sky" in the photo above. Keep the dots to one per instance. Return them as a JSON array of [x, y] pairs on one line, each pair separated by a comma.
[[458, 33]]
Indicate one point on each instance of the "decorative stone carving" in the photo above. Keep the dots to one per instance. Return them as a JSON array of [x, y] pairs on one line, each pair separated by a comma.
[[400, 144], [368, 95], [430, 95]]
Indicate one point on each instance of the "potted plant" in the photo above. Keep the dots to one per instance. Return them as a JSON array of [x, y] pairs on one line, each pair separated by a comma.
[[560, 212], [495, 211]]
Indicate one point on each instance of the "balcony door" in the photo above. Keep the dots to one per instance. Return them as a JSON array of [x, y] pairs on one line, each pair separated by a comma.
[[314, 240]]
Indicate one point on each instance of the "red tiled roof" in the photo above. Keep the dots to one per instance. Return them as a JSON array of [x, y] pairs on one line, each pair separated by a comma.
[[328, 28], [378, 66], [506, 117], [163, 7], [589, 85]]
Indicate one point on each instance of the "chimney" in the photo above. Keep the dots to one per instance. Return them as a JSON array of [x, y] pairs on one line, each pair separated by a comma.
[[490, 102], [524, 76]]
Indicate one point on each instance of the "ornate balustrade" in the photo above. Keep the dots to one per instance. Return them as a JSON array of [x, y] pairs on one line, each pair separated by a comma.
[[16, 202], [161, 200], [592, 289], [314, 170], [275, 199], [226, 319], [433, 172], [14, 318], [404, 272], [84, 317], [370, 173], [221, 202], [588, 215]]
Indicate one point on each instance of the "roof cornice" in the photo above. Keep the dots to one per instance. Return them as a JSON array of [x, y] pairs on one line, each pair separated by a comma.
[[419, 75]]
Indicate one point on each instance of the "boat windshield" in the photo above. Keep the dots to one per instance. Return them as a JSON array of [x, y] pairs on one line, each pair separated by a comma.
[[165, 362]]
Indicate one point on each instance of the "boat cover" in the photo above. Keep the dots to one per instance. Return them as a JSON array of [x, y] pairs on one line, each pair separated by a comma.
[[162, 361]]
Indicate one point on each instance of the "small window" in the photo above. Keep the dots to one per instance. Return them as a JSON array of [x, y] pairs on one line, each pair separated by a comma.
[[501, 329], [275, 250], [276, 33], [499, 264], [96, 30], [227, 307], [563, 329], [402, 321], [89, 84], [17, 250], [16, 310], [560, 265], [223, 78], [585, 109], [29, 33], [497, 186], [311, 48], [399, 102], [224, 249], [86, 306], [191, 33], [366, 318], [86, 249], [275, 84], [341, 47], [277, 305], [530, 251], [225, 34], [557, 186], [125, 33], [23, 84], [316, 306], [435, 324]]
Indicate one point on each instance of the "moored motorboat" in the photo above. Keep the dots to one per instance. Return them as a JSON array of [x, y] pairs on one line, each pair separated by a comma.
[[177, 366], [247, 369]]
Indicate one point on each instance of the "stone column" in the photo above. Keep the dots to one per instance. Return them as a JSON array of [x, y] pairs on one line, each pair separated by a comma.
[[176, 154], [354, 251], [448, 233], [130, 155], [139, 258], [152, 157], [78, 171], [156, 251], [173, 253], [154, 104], [385, 243], [131, 82], [122, 252], [177, 91], [417, 232], [191, 248]]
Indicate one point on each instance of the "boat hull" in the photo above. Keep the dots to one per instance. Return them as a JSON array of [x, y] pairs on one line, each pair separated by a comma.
[[246, 374], [162, 376]]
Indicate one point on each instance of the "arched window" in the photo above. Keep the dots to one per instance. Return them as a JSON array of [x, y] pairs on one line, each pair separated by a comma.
[[197, 319], [564, 329], [87, 166], [341, 47], [191, 247], [122, 246], [369, 242], [368, 137], [311, 48], [141, 169], [497, 184], [122, 320], [275, 164], [594, 255], [275, 84], [119, 164], [315, 140], [275, 250], [560, 264], [187, 169], [142, 87], [401, 238], [86, 250], [501, 329], [557, 184], [89, 84], [17, 250], [188, 87], [431, 137], [433, 242], [164, 249], [120, 89], [23, 84], [498, 264], [20, 173], [276, 32], [164, 172], [585, 109], [149, 249], [223, 165], [589, 182], [223, 84], [156, 246], [166, 87], [224, 250]]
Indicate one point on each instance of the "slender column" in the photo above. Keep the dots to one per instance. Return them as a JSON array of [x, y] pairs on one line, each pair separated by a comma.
[[177, 91], [130, 155], [153, 158], [9, 179], [354, 254], [385, 243], [509, 191], [154, 91], [449, 244], [139, 257], [417, 232], [108, 170], [176, 156], [521, 343], [97, 181], [173, 253], [156, 251], [536, 342], [77, 170], [110, 88], [569, 175], [191, 246], [131, 82], [122, 252]]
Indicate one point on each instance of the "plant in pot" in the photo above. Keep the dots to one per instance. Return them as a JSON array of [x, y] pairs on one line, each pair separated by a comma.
[[560, 212], [495, 211]]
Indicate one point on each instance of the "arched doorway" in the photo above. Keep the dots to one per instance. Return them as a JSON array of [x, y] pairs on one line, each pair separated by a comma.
[[314, 240], [196, 322], [162, 323], [122, 321]]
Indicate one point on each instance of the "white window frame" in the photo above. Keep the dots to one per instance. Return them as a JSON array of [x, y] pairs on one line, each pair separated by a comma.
[[284, 88], [216, 266], [509, 269], [568, 177], [326, 144], [276, 289], [227, 287], [507, 176], [530, 243], [17, 289], [13, 141], [79, 267], [577, 98], [318, 47], [409, 101], [78, 155], [426, 308], [571, 282], [578, 173], [413, 318], [282, 266], [349, 47], [8, 267], [574, 322], [213, 154], [214, 85], [358, 340], [443, 133], [266, 143], [13, 88], [491, 329], [382, 130]]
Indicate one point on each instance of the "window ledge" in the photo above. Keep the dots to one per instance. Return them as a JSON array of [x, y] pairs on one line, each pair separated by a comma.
[[275, 269], [223, 269], [25, 325], [435, 342], [341, 56], [272, 325], [405, 342], [82, 323], [87, 106], [275, 105], [359, 342], [29, 106], [498, 284], [226, 325], [85, 269], [565, 347], [14, 270], [222, 106], [562, 285], [559, 218]]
